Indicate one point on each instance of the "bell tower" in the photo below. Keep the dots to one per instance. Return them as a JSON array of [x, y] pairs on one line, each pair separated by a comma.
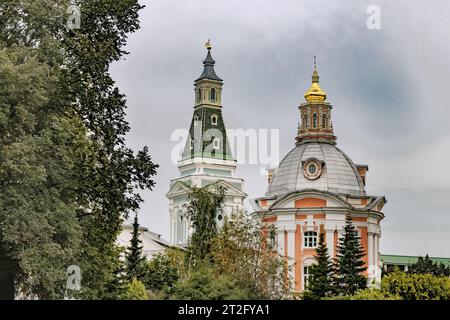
[[315, 113], [208, 87], [206, 158]]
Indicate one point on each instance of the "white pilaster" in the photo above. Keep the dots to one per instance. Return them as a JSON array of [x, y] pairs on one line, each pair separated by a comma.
[[377, 258], [280, 241], [372, 268]]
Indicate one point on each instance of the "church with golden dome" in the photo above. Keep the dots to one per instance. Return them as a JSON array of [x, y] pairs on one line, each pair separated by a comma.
[[314, 187]]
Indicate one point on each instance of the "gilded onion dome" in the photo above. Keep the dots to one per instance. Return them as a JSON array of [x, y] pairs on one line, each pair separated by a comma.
[[315, 92]]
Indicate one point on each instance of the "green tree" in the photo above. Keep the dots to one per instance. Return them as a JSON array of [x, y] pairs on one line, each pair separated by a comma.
[[162, 273], [416, 286], [40, 153], [367, 294], [425, 265], [135, 261], [246, 250], [348, 264], [204, 205], [320, 281], [135, 291], [118, 283], [204, 283], [79, 198]]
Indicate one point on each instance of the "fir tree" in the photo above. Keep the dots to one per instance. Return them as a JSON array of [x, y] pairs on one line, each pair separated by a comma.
[[426, 265], [320, 281], [349, 265], [116, 287], [135, 261]]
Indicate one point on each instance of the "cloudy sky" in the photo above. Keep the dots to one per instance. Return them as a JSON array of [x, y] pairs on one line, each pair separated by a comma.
[[389, 89]]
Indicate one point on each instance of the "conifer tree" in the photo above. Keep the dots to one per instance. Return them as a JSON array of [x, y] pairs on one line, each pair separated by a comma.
[[320, 281], [425, 265], [116, 287], [349, 265], [135, 261]]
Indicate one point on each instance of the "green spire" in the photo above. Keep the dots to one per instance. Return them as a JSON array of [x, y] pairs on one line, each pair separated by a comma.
[[207, 135]]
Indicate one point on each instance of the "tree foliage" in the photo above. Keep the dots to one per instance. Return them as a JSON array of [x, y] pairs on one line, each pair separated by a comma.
[[367, 294], [349, 265], [135, 260], [66, 176], [246, 249], [203, 207], [416, 286], [320, 281], [163, 271], [135, 291], [242, 263], [204, 283], [40, 153], [425, 265]]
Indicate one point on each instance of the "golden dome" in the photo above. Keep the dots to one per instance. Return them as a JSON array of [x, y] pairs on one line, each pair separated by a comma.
[[315, 93]]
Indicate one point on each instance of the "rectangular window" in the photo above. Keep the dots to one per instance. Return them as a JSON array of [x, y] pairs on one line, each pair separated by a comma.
[[310, 239]]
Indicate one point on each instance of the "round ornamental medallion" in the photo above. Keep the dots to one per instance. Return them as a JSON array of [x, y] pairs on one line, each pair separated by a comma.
[[312, 169]]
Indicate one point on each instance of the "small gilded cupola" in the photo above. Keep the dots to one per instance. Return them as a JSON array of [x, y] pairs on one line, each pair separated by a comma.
[[315, 92], [315, 114], [208, 87]]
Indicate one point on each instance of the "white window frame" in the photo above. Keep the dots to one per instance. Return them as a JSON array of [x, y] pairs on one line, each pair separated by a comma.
[[310, 239]]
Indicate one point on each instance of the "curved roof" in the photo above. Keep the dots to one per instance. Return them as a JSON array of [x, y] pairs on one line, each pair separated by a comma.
[[339, 174], [208, 69]]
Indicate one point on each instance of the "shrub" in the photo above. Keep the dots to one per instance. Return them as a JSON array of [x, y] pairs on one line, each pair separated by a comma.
[[135, 291], [367, 294], [416, 286], [205, 284]]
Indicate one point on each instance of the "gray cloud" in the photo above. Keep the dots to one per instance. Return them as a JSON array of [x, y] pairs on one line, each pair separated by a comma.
[[388, 88]]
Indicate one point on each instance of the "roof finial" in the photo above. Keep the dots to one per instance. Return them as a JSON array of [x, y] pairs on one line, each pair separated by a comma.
[[315, 93], [315, 76], [208, 45]]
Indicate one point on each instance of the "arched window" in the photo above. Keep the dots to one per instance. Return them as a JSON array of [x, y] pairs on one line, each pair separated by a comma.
[[199, 94], [214, 120], [324, 121], [212, 95], [305, 119], [307, 264], [216, 143], [181, 228], [315, 120], [310, 239]]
